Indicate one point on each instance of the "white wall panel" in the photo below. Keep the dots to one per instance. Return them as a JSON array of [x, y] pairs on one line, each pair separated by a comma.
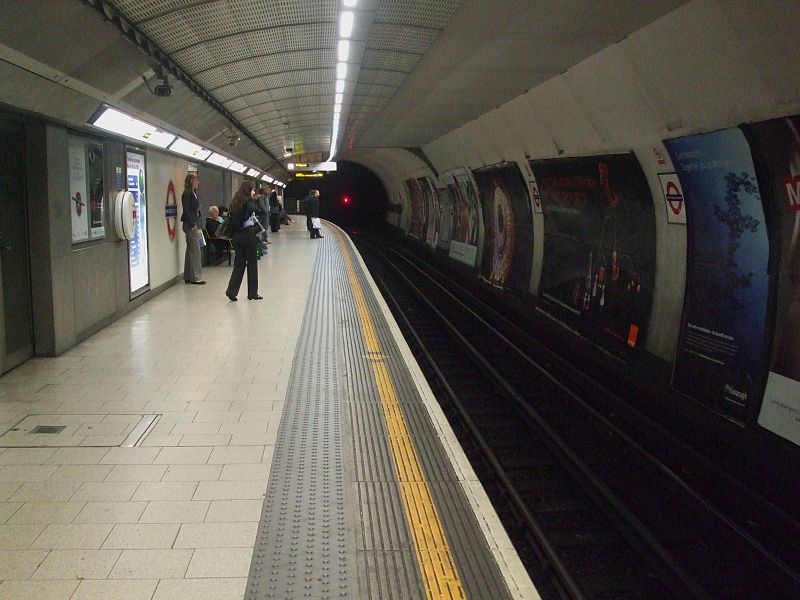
[[703, 72], [612, 97], [166, 256], [769, 36]]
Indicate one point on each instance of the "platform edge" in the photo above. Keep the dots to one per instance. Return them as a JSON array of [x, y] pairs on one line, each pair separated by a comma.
[[517, 581]]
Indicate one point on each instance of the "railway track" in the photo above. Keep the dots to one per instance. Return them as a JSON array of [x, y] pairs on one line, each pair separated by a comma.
[[595, 506]]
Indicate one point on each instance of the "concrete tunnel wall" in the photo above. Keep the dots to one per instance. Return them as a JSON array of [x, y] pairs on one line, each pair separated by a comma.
[[708, 65]]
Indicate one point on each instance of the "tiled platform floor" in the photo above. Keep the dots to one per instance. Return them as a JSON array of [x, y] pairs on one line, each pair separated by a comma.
[[177, 517]]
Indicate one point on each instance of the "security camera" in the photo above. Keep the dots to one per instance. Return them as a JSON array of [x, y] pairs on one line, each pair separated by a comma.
[[163, 89], [289, 150], [231, 136]]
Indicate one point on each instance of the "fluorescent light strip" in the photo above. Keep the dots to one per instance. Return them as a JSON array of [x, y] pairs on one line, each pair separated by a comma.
[[343, 50], [349, 3], [346, 22], [219, 160], [237, 166], [267, 178], [123, 124], [190, 149], [253, 173]]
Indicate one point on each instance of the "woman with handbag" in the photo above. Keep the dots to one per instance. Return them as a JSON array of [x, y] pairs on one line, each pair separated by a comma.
[[243, 218], [190, 219]]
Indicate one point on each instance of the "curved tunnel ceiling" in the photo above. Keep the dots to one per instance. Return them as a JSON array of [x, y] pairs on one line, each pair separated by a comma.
[[419, 68], [272, 64]]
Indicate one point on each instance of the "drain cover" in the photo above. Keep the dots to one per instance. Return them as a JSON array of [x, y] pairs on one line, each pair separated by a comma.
[[48, 429]]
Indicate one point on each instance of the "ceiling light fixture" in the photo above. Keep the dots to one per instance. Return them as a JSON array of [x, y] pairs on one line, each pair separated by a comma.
[[346, 22], [343, 50]]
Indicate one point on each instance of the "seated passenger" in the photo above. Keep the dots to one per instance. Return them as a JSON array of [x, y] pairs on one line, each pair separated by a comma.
[[213, 220]]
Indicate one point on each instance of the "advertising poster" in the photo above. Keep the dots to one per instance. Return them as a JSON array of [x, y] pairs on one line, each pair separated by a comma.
[[776, 148], [469, 209], [418, 215], [77, 190], [137, 245], [720, 356], [431, 199], [598, 268], [508, 240], [445, 228], [465, 219], [96, 190]]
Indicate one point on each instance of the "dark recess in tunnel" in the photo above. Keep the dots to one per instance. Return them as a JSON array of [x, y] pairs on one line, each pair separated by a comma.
[[367, 199]]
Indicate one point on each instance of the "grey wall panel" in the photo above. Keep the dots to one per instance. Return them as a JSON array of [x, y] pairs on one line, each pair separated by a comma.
[[212, 188], [93, 286], [63, 317]]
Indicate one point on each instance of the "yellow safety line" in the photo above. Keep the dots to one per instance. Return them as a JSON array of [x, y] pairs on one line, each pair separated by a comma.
[[436, 563]]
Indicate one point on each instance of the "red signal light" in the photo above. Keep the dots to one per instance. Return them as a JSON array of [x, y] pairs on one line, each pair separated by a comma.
[[346, 200]]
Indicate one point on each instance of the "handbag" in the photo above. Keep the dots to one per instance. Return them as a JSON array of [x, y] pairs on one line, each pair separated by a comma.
[[257, 226], [224, 231], [316, 223]]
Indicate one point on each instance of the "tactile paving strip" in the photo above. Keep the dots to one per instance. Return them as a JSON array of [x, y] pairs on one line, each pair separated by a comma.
[[302, 547], [333, 523]]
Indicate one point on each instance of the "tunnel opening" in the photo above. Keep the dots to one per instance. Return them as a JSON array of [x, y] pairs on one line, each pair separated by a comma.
[[353, 197]]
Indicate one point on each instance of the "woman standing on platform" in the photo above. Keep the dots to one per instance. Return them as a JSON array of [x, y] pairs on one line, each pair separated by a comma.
[[243, 210], [192, 270]]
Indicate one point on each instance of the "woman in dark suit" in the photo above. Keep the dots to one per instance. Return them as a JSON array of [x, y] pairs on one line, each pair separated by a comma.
[[243, 210], [274, 210], [192, 270]]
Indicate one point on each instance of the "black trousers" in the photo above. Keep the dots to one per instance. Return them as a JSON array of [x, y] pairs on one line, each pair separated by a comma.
[[308, 224], [245, 245], [275, 221]]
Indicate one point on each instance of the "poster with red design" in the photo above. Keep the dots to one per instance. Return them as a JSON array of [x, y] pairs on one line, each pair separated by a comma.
[[776, 149], [598, 267]]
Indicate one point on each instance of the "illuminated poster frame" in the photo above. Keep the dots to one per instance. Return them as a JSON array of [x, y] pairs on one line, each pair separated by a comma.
[[87, 189], [138, 250], [78, 194]]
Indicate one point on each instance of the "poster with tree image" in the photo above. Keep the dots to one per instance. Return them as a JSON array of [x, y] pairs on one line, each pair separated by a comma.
[[721, 348]]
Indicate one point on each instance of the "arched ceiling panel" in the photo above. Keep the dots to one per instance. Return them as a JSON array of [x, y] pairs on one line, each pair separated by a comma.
[[419, 68]]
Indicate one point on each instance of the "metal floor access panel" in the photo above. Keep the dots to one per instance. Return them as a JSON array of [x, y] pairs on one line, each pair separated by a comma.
[[362, 501]]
